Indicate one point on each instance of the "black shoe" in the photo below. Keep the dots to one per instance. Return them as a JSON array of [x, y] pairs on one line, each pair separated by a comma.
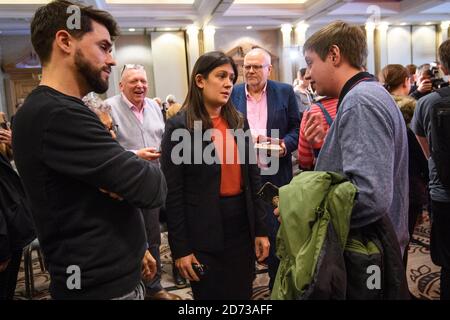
[[180, 282]]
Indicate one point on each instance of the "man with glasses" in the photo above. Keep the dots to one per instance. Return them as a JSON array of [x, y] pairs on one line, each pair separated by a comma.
[[269, 105], [140, 130]]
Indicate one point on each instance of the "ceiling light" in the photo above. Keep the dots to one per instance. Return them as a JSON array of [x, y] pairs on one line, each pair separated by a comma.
[[132, 29], [403, 24], [24, 1], [249, 27]]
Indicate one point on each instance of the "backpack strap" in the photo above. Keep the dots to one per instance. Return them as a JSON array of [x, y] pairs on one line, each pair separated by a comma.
[[325, 113]]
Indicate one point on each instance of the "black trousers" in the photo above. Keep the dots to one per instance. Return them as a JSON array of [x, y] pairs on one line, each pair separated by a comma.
[[153, 232], [230, 272], [8, 278], [440, 243]]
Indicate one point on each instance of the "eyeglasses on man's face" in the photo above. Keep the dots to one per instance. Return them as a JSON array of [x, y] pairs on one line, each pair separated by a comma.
[[132, 66], [255, 67]]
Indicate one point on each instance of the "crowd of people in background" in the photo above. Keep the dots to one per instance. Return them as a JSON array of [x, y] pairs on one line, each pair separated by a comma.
[[98, 177]]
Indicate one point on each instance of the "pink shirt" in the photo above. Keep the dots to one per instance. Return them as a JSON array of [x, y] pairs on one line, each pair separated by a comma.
[[257, 113], [138, 113]]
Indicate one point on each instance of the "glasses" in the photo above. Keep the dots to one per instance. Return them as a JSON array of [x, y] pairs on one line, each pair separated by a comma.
[[255, 67], [132, 66]]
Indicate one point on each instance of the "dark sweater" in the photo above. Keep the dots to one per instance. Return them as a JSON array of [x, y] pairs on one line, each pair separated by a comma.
[[65, 155]]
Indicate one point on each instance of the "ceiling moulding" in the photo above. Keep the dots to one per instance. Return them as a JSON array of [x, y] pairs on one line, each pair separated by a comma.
[[150, 1], [24, 1], [270, 1]]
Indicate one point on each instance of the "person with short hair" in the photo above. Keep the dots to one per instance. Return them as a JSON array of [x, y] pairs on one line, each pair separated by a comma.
[[302, 91], [140, 130], [440, 194], [367, 142], [173, 106], [395, 79], [85, 189], [269, 106]]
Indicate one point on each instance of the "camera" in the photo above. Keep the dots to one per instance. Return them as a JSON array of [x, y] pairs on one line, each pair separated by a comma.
[[436, 81]]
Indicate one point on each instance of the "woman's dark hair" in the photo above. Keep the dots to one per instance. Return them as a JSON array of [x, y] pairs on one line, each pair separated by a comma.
[[392, 76], [194, 104]]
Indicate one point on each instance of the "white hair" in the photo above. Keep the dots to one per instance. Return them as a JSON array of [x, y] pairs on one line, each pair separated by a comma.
[[257, 51], [96, 104], [171, 99]]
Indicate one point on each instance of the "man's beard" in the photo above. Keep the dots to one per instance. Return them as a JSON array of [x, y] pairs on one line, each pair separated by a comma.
[[92, 77]]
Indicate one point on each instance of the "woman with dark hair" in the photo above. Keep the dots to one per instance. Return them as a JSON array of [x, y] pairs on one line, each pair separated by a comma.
[[215, 219], [395, 79]]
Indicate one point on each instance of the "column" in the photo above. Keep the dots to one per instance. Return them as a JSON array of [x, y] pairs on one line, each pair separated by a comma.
[[286, 63], [382, 31], [3, 107], [444, 31], [114, 78], [300, 39], [208, 38], [370, 28], [193, 46]]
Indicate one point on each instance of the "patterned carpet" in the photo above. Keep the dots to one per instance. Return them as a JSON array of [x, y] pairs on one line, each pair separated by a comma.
[[423, 275]]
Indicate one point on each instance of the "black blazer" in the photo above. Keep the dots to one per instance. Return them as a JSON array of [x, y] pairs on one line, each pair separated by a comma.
[[194, 220]]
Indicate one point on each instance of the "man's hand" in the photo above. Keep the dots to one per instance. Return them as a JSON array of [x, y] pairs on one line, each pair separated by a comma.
[[6, 137], [314, 130], [262, 246], [4, 265], [276, 212], [281, 153], [283, 149], [149, 267], [148, 153], [184, 265], [425, 84]]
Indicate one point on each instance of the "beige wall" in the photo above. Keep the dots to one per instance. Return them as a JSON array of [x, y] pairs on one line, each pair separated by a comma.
[[133, 49], [270, 40], [226, 40], [169, 64], [2, 86], [14, 47], [399, 45], [423, 44]]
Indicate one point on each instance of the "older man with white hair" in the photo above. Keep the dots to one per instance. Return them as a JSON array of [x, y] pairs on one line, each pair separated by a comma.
[[140, 127], [173, 106], [269, 105]]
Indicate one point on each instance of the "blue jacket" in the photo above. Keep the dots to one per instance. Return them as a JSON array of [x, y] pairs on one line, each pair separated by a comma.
[[282, 114]]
